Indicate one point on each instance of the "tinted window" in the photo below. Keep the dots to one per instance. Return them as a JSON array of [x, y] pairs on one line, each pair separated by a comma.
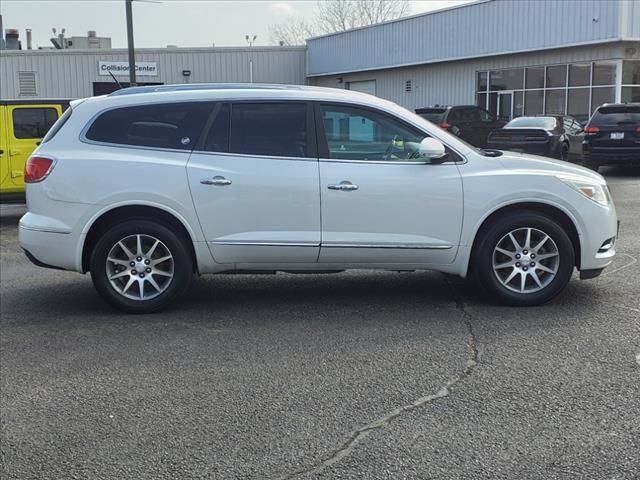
[[33, 122], [604, 73], [464, 115], [547, 123], [218, 137], [535, 77], [272, 129], [485, 116], [360, 134], [579, 74], [171, 125], [58, 125], [615, 115], [506, 79]]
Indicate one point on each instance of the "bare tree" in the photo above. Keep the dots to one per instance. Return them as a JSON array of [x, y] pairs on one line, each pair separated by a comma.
[[336, 16], [293, 31]]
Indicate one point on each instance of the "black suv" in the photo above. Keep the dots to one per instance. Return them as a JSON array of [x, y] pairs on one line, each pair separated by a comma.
[[468, 122], [612, 135]]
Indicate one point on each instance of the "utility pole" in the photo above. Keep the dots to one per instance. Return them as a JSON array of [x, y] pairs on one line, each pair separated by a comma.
[[132, 56]]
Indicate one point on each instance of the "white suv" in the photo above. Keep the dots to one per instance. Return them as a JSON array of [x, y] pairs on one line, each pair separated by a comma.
[[149, 185]]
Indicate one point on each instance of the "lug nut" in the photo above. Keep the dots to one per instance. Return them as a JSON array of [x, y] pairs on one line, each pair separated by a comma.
[[525, 252], [142, 275], [148, 270], [132, 264], [517, 255], [532, 264], [147, 261], [133, 272], [525, 268], [139, 259], [533, 255], [517, 264]]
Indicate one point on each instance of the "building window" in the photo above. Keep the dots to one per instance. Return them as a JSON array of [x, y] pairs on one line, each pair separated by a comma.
[[554, 102], [572, 89], [604, 73], [578, 103], [534, 78], [630, 81], [556, 76], [580, 75]]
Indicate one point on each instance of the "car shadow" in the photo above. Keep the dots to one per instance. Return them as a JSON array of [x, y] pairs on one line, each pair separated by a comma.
[[352, 296]]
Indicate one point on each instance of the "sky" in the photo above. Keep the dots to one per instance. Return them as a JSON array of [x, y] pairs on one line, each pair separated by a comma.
[[158, 23]]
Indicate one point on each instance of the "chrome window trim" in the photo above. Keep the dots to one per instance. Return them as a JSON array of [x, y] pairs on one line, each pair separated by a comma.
[[246, 155]]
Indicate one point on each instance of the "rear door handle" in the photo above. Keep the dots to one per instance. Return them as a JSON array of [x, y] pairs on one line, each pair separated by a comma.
[[344, 186], [217, 180]]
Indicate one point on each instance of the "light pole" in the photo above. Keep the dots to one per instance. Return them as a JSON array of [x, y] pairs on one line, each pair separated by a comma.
[[250, 41], [132, 57]]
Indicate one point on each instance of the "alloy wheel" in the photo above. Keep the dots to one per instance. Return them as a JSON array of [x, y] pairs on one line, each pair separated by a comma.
[[140, 267], [526, 260]]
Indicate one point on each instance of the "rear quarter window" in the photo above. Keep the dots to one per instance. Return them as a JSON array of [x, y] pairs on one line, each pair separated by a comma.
[[57, 126], [171, 125]]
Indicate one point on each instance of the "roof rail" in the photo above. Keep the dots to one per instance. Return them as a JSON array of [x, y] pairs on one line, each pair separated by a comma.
[[204, 86]]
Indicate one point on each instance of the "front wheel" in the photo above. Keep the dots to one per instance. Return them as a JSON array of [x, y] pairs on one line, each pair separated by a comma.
[[524, 258], [140, 266]]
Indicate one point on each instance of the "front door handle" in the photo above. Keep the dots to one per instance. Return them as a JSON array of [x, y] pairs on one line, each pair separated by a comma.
[[217, 180], [343, 186]]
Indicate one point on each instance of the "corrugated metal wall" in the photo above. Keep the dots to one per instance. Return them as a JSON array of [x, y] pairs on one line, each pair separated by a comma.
[[631, 19], [70, 74], [454, 82], [485, 28]]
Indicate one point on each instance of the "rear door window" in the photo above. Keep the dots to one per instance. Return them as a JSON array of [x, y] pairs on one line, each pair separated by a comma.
[[171, 125], [33, 122], [270, 129]]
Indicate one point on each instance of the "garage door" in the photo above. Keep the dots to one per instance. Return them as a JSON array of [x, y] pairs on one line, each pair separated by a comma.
[[367, 86]]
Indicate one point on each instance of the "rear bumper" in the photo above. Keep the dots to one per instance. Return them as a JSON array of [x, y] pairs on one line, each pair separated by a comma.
[[620, 156], [47, 249]]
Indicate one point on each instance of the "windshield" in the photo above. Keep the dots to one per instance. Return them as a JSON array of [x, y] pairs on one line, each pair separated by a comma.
[[548, 123]]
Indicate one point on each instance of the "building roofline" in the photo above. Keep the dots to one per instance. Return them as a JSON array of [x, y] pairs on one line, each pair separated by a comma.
[[402, 19], [470, 57], [84, 51]]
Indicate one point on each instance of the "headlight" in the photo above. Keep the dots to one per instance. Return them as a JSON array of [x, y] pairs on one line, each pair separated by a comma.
[[596, 192]]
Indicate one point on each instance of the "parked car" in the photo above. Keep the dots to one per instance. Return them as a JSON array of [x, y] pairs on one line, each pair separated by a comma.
[[613, 136], [23, 123], [556, 136], [149, 185], [472, 124]]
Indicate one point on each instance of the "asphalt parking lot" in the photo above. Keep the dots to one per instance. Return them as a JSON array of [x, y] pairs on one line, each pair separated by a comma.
[[354, 375]]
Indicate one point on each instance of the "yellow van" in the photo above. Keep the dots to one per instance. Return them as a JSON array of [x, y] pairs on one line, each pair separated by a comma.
[[23, 123]]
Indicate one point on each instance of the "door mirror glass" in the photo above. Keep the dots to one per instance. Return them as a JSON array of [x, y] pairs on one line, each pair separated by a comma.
[[432, 150]]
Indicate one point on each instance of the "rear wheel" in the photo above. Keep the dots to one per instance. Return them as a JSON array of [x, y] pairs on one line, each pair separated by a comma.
[[563, 152], [524, 258], [140, 266]]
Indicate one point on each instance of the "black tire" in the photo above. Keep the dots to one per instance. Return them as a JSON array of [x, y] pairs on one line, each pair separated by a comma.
[[563, 152], [483, 258], [181, 263]]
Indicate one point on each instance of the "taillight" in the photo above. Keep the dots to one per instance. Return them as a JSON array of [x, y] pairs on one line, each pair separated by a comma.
[[444, 125], [591, 129], [37, 169]]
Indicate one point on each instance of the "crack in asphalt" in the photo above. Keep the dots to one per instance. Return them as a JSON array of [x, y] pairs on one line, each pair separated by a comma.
[[360, 434]]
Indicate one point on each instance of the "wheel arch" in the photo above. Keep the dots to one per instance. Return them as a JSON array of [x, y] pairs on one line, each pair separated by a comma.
[[552, 211], [134, 212]]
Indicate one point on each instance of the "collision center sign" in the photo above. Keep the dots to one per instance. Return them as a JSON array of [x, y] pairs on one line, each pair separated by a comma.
[[149, 69]]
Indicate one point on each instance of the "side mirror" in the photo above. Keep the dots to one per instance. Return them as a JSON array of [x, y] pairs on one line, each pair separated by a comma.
[[432, 150]]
